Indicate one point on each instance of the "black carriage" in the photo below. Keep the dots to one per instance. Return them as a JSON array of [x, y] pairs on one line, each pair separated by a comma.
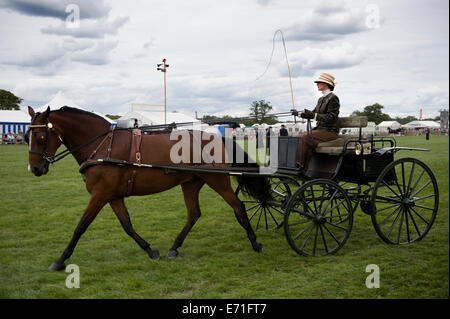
[[316, 207]]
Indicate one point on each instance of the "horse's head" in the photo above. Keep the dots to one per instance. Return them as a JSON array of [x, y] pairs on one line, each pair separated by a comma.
[[43, 141]]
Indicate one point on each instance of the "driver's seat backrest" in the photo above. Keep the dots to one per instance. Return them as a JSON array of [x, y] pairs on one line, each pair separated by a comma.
[[335, 146]]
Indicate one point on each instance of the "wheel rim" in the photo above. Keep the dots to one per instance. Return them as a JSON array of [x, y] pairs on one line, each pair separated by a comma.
[[404, 201], [318, 218], [270, 214]]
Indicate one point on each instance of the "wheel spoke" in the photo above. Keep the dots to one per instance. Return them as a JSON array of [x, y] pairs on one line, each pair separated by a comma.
[[392, 190], [323, 239], [248, 209], [332, 208], [259, 218], [417, 182], [424, 207], [393, 224], [400, 226], [278, 211], [410, 178], [403, 178], [415, 212], [315, 240], [301, 212], [314, 199], [273, 217], [428, 183], [300, 222], [384, 208], [392, 214], [328, 203], [307, 237], [331, 234], [413, 221], [265, 218], [335, 225], [302, 231], [407, 224], [388, 199], [334, 216], [256, 211], [425, 197]]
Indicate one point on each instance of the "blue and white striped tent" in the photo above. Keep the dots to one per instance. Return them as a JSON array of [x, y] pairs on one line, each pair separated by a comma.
[[13, 121]]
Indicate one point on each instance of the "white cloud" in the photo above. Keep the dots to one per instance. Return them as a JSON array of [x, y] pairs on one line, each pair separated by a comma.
[[96, 55], [308, 61], [328, 21], [88, 28], [57, 8], [216, 50]]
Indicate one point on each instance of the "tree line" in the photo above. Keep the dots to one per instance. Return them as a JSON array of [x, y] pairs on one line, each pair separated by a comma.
[[259, 112]]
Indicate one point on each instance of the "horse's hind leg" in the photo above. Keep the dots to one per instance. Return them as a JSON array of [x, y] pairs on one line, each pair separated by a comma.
[[91, 211], [222, 185], [121, 212], [191, 190]]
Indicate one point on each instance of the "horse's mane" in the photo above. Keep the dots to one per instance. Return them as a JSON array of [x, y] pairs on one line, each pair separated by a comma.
[[69, 109]]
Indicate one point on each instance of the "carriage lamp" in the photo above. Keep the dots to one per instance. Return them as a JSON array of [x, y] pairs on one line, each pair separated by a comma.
[[358, 148], [367, 148]]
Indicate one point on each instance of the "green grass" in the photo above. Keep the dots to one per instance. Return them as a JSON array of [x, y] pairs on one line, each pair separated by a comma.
[[39, 215]]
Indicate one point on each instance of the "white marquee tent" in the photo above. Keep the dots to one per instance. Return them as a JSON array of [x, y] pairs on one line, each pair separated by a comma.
[[155, 115], [13, 121], [422, 124], [393, 125], [60, 100]]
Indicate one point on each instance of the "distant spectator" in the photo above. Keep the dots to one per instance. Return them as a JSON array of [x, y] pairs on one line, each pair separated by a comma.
[[10, 138], [283, 130], [19, 137]]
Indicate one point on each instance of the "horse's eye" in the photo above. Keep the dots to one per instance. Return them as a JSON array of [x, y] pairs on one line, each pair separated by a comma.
[[41, 137]]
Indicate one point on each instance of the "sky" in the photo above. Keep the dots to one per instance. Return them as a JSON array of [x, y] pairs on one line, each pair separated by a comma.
[[102, 54]]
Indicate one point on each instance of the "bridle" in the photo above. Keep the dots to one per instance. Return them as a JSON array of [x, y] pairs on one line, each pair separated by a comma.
[[50, 128], [45, 155]]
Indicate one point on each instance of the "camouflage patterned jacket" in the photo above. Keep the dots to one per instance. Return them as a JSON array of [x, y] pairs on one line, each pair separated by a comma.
[[327, 110]]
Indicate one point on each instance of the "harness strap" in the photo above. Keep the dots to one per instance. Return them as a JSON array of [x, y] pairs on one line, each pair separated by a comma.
[[111, 133], [135, 151]]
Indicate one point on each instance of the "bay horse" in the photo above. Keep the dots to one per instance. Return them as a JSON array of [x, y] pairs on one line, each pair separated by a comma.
[[87, 135]]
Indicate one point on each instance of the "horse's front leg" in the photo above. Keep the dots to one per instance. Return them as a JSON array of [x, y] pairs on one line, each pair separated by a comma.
[[121, 212], [91, 211]]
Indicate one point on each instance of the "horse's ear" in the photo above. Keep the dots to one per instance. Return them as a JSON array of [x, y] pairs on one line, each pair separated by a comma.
[[31, 111], [47, 112]]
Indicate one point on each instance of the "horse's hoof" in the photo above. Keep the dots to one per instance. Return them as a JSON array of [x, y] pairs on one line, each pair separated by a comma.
[[155, 255], [258, 247], [172, 254], [57, 267]]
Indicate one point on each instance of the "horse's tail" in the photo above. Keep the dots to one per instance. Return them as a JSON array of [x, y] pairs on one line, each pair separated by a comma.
[[257, 187]]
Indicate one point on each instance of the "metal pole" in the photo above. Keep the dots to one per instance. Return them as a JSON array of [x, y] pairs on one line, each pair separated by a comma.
[[165, 103]]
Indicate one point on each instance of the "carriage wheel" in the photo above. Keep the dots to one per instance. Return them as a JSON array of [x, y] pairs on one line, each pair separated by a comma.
[[353, 191], [268, 215], [318, 218], [404, 201]]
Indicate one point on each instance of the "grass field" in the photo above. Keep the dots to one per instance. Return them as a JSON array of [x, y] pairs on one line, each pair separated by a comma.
[[39, 215]]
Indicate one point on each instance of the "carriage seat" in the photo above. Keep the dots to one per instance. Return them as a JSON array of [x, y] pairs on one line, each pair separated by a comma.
[[336, 146]]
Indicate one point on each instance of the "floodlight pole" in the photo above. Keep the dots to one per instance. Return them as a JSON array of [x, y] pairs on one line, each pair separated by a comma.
[[163, 69]]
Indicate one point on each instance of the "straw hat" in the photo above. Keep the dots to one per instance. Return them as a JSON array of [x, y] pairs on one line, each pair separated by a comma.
[[326, 78]]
